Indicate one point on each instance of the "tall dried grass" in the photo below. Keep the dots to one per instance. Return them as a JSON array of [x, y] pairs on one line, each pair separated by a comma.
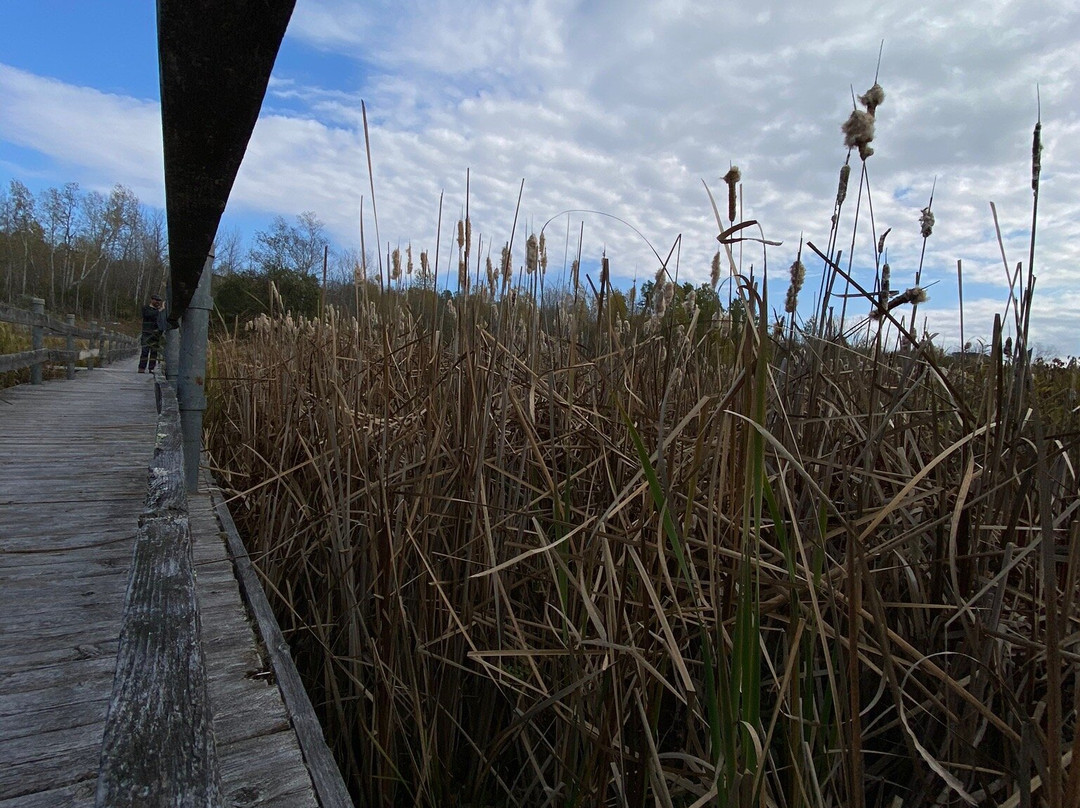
[[536, 554]]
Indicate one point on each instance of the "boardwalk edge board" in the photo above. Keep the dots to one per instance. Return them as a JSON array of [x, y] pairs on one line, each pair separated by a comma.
[[159, 746], [325, 774]]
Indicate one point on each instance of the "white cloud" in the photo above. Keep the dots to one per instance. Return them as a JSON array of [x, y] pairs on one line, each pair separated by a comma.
[[625, 108], [117, 137]]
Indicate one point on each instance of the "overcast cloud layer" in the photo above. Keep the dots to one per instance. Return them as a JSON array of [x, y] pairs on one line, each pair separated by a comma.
[[625, 109]]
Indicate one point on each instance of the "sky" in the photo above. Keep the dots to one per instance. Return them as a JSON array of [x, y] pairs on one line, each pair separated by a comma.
[[628, 109]]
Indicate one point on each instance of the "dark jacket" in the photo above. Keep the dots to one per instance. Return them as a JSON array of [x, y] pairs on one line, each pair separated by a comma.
[[154, 321]]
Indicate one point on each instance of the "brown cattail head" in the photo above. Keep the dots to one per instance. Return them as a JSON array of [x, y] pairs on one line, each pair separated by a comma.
[[395, 264], [732, 179], [714, 276], [798, 276], [424, 262], [873, 98], [462, 276], [460, 234], [543, 253], [841, 190], [926, 222], [468, 230], [1036, 156], [916, 294], [858, 131], [886, 280], [881, 241], [532, 254], [408, 261], [507, 265]]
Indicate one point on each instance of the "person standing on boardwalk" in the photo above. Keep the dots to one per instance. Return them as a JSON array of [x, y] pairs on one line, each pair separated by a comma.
[[154, 326]]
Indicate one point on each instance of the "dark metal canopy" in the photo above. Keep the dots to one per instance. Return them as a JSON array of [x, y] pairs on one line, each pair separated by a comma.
[[215, 58]]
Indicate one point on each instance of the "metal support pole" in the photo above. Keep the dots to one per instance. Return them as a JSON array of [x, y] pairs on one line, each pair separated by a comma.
[[70, 345], [191, 379], [172, 344], [37, 338]]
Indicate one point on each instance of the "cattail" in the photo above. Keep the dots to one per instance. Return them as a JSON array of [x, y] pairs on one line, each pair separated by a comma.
[[926, 222], [841, 191], [461, 234], [408, 263], [732, 179], [916, 294], [490, 273], [873, 99], [507, 265], [858, 131], [690, 304], [468, 230], [424, 263], [543, 253], [883, 292], [532, 255], [1007, 347], [575, 268], [798, 276], [881, 241], [1036, 156], [462, 275], [395, 263], [714, 276]]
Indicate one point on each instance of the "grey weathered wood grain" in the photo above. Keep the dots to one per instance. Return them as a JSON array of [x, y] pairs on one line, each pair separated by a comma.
[[259, 752], [159, 748], [59, 678], [325, 774], [71, 500]]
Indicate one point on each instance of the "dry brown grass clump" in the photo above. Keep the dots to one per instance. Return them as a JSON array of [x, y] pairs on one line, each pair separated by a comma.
[[564, 555]]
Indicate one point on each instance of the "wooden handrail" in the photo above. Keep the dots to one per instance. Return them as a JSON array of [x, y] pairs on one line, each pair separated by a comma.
[[103, 344], [159, 748]]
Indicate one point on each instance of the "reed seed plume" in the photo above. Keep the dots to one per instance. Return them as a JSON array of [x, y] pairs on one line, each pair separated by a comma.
[[714, 274], [926, 222], [872, 99], [798, 276], [858, 132], [532, 254]]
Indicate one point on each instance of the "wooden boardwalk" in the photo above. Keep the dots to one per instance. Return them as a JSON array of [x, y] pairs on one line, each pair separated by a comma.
[[73, 483]]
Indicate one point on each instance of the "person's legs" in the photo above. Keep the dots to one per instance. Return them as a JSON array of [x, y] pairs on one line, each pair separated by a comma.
[[145, 354]]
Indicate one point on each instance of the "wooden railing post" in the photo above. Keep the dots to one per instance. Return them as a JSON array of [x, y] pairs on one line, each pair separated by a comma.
[[37, 338], [70, 345]]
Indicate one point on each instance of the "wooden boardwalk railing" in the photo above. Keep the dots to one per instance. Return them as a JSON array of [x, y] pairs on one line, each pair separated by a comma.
[[104, 346], [125, 677]]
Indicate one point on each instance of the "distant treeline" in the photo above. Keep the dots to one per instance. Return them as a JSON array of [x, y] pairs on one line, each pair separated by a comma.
[[84, 252]]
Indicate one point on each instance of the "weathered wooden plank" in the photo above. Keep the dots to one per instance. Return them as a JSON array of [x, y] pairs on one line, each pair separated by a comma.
[[60, 717], [52, 759], [257, 770], [80, 673], [77, 795], [159, 744], [325, 774]]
